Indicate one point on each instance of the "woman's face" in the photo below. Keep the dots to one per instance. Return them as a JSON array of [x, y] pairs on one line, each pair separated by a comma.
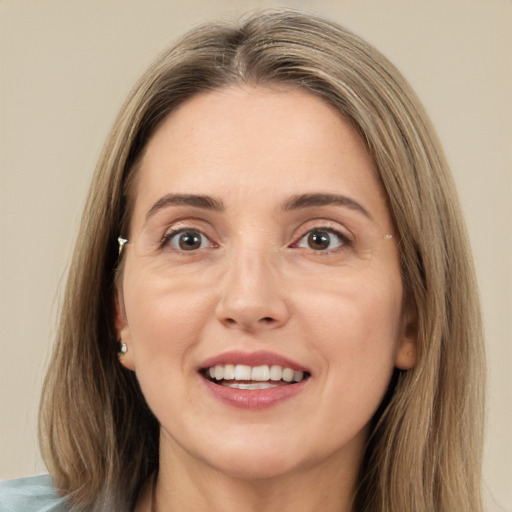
[[261, 297]]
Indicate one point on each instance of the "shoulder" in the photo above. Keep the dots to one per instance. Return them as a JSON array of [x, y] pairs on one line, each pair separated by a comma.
[[32, 494]]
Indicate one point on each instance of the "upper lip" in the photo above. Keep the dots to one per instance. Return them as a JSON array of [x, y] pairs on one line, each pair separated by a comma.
[[258, 358]]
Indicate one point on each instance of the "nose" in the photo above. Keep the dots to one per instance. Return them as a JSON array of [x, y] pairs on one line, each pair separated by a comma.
[[252, 294]]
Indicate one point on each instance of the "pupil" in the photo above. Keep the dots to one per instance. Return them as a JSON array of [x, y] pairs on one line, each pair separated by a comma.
[[189, 241], [319, 240]]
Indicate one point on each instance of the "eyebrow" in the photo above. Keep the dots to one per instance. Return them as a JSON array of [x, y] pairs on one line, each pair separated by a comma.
[[298, 202], [311, 200], [197, 201]]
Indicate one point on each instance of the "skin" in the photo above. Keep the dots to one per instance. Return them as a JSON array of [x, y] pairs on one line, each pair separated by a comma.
[[255, 284]]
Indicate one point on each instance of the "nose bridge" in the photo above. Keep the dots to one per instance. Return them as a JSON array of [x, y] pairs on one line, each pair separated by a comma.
[[252, 293]]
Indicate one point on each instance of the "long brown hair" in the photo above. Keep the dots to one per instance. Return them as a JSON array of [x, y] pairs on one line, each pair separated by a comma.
[[98, 437]]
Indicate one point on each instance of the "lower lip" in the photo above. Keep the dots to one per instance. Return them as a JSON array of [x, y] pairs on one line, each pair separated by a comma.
[[254, 398]]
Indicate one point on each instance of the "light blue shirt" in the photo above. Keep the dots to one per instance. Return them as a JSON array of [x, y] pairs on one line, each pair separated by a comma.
[[31, 494]]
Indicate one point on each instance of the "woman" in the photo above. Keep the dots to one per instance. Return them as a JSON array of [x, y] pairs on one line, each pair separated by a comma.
[[271, 304]]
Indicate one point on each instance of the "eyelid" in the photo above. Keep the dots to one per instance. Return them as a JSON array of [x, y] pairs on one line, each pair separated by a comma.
[[344, 240], [205, 228], [324, 224], [171, 232]]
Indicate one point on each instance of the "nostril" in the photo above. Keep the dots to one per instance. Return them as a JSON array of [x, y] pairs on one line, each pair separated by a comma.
[[264, 321]]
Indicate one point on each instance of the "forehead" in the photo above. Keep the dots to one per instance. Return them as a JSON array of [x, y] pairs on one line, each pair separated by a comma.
[[245, 142]]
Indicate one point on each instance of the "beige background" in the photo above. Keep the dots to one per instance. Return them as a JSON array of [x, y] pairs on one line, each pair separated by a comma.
[[66, 66]]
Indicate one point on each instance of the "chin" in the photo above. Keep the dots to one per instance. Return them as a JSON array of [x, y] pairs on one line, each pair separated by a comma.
[[251, 454], [256, 456], [258, 466]]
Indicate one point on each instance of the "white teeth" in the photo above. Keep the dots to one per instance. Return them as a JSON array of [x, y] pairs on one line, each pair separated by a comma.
[[229, 371], [242, 372], [276, 372], [287, 374], [252, 385], [263, 373]]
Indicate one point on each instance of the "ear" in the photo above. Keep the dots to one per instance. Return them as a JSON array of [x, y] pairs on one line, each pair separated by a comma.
[[407, 350], [123, 332]]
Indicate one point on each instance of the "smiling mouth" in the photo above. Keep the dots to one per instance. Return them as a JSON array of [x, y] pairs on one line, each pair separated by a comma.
[[241, 376]]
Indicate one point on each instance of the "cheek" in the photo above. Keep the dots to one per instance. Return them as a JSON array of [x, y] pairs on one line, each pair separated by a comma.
[[166, 323], [355, 323], [164, 317], [354, 310]]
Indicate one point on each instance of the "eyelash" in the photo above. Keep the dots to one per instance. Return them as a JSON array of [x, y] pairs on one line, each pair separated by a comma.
[[168, 238], [344, 241]]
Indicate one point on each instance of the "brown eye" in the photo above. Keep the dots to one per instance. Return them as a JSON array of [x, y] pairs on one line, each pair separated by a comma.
[[319, 240], [322, 240], [187, 240]]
